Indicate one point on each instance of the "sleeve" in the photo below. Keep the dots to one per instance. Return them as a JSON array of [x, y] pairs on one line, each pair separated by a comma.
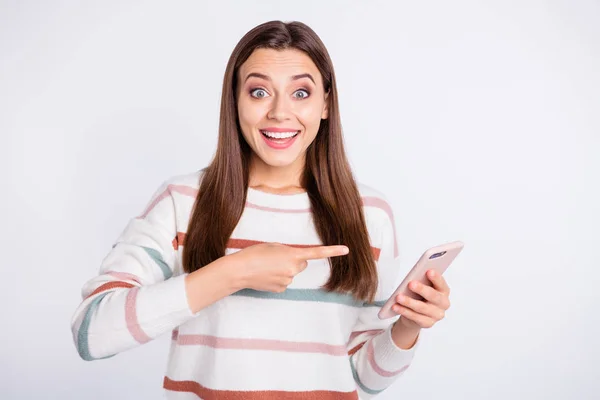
[[375, 360], [135, 297]]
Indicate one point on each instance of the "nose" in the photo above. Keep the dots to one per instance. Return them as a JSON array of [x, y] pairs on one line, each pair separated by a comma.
[[280, 109]]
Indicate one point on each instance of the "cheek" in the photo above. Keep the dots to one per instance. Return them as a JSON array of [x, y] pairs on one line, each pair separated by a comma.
[[250, 114], [243, 114], [310, 118]]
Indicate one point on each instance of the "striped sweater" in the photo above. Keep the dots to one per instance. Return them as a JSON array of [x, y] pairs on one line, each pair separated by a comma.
[[304, 343]]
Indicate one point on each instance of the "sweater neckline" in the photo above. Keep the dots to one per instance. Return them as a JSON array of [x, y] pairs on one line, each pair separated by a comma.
[[285, 202]]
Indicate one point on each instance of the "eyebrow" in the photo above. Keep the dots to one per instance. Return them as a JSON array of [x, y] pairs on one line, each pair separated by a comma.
[[265, 77]]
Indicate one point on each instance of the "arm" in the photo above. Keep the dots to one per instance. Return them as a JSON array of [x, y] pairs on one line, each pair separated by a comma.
[[381, 350], [404, 337], [135, 297]]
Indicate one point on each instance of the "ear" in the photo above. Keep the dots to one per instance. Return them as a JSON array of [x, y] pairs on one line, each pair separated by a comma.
[[325, 113]]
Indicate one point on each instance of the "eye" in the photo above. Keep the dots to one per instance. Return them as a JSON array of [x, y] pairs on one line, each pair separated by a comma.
[[258, 93], [304, 94]]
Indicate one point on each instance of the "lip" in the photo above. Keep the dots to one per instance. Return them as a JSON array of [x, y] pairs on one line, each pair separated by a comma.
[[273, 129], [279, 146]]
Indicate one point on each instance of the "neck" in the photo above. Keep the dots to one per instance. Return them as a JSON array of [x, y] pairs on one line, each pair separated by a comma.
[[284, 180]]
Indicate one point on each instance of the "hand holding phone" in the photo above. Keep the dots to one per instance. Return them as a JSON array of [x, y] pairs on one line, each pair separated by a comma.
[[437, 258]]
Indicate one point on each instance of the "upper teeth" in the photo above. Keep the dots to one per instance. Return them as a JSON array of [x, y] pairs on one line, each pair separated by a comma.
[[280, 135]]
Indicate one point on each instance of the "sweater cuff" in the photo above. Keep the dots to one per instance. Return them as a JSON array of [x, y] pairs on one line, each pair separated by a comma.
[[388, 355], [178, 294], [164, 306]]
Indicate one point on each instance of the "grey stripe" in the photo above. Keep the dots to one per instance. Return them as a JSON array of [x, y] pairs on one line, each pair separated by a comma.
[[375, 304], [82, 335], [358, 382], [155, 255], [317, 295]]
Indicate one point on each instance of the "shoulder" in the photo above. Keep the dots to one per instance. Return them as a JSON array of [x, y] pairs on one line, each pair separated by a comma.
[[189, 180], [184, 184], [181, 187]]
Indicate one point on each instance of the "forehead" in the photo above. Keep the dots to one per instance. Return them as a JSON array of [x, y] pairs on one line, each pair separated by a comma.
[[279, 64]]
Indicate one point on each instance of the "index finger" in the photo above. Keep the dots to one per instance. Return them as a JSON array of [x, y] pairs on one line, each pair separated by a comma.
[[439, 283], [315, 253]]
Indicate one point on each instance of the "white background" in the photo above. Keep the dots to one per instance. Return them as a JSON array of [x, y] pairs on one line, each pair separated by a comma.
[[479, 120]]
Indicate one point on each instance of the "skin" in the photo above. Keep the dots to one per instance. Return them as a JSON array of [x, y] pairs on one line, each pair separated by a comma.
[[418, 314], [275, 90], [276, 99]]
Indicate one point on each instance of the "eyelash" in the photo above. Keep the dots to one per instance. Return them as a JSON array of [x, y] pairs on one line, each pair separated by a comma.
[[303, 89]]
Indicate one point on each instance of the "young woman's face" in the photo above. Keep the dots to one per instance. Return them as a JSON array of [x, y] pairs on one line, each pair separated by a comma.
[[281, 102]]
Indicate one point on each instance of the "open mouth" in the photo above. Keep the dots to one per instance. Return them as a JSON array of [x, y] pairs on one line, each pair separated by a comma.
[[280, 137], [279, 140]]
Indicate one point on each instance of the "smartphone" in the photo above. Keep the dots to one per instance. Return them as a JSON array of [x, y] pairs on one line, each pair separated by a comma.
[[437, 258]]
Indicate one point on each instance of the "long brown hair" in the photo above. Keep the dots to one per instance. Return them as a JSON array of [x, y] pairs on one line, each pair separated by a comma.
[[336, 204]]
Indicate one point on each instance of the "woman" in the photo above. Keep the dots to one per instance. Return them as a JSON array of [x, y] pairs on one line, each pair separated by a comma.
[[269, 266]]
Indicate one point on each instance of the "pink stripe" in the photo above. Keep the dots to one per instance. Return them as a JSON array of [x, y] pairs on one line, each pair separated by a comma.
[[261, 344], [278, 210], [371, 332], [157, 200], [382, 204], [174, 334], [185, 190], [131, 317], [377, 368], [124, 275]]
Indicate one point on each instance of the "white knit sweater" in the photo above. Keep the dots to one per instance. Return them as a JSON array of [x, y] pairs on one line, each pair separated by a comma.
[[304, 343]]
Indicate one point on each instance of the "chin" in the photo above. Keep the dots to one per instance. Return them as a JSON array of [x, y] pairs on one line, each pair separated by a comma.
[[279, 162]]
